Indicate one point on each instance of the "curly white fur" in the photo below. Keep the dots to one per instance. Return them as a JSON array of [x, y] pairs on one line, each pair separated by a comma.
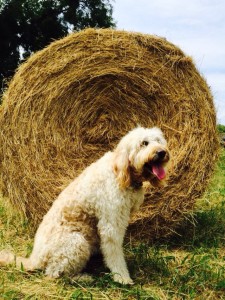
[[94, 210]]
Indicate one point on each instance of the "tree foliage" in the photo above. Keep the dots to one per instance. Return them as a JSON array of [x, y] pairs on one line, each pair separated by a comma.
[[221, 128], [29, 25]]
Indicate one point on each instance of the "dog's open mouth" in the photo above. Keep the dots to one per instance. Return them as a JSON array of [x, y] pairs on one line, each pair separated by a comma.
[[155, 169], [158, 171]]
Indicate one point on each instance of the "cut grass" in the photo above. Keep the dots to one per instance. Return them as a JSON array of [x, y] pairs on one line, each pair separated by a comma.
[[189, 265]]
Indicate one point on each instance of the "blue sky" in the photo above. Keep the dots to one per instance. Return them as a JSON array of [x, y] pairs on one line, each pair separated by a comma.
[[196, 26]]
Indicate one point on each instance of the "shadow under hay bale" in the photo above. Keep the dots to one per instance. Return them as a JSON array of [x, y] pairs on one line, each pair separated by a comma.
[[72, 101]]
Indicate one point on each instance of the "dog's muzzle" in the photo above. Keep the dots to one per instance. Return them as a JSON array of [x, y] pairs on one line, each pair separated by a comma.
[[156, 166], [159, 156]]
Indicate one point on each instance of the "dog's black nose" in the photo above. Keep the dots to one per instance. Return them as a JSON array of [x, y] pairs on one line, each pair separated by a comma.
[[161, 154]]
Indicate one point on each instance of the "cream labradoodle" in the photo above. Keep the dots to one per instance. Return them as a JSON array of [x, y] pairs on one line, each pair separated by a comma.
[[94, 210]]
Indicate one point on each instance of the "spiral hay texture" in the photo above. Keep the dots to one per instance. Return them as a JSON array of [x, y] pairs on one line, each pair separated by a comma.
[[72, 102]]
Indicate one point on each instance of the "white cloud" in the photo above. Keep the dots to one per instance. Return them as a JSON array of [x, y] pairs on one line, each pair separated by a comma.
[[207, 52], [217, 81]]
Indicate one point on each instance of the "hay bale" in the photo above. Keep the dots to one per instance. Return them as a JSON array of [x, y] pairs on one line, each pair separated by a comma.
[[72, 101]]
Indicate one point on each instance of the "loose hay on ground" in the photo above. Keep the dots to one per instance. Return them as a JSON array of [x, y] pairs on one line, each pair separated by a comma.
[[72, 101]]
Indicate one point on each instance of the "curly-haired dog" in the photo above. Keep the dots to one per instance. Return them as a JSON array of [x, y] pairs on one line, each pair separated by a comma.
[[94, 210]]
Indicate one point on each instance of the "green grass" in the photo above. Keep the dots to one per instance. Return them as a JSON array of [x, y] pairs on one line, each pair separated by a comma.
[[188, 265]]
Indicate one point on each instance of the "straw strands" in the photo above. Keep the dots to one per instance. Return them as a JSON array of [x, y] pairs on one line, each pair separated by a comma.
[[72, 101]]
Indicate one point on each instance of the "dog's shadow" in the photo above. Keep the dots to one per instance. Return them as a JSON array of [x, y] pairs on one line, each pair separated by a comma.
[[96, 274], [95, 265]]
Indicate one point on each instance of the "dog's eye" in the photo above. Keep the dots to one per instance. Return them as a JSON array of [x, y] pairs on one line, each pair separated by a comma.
[[144, 143]]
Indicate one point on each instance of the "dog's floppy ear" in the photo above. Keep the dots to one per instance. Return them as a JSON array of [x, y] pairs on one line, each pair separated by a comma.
[[121, 168]]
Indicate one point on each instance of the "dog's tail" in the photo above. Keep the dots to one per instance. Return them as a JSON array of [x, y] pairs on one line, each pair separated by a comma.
[[8, 258]]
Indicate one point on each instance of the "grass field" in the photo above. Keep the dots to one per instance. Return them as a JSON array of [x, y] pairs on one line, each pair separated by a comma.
[[190, 265]]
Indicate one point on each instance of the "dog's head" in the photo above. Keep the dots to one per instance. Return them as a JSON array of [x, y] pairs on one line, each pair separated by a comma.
[[141, 155]]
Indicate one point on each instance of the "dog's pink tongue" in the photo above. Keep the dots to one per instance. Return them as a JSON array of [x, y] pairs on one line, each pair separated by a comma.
[[158, 171]]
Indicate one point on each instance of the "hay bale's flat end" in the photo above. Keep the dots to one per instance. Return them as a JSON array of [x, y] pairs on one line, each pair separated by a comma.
[[72, 101]]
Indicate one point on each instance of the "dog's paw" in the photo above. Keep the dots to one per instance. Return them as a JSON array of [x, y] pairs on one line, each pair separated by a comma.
[[123, 280], [6, 257], [51, 273]]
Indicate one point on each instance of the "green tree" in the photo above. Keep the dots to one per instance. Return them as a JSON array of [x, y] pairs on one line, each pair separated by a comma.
[[221, 128], [29, 25]]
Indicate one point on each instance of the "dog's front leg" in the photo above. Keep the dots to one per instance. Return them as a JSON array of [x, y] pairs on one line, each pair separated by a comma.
[[112, 249]]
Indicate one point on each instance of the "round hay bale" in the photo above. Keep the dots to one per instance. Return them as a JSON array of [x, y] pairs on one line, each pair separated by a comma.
[[72, 102]]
